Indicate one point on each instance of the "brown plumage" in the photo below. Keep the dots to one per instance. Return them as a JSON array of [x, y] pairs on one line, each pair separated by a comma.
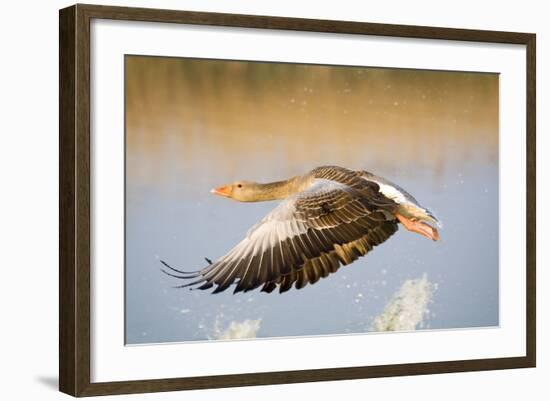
[[329, 218]]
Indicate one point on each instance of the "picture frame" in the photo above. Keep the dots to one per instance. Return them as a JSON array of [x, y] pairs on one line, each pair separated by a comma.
[[76, 170]]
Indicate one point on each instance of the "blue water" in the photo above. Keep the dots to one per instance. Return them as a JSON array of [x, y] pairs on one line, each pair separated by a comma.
[[166, 222]]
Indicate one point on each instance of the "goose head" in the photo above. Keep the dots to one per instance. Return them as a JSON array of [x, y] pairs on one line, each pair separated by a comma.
[[250, 191], [242, 191]]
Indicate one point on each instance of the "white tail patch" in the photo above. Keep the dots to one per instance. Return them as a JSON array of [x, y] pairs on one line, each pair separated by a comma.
[[393, 193], [408, 307]]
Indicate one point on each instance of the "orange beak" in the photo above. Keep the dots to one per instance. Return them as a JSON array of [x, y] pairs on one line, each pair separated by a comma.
[[222, 191]]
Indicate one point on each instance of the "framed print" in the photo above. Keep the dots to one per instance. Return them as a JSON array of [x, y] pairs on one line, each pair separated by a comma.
[[297, 200]]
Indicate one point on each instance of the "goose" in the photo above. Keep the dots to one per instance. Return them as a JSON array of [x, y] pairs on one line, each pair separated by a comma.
[[328, 218]]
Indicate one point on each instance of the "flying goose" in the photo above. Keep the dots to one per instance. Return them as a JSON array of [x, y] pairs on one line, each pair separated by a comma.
[[327, 218]]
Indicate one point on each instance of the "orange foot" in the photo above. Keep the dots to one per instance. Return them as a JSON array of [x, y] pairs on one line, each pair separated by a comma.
[[418, 227]]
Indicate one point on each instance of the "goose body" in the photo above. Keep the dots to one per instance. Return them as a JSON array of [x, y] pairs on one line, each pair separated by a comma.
[[328, 217]]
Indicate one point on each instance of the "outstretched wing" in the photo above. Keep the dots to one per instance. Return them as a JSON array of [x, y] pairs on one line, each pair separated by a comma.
[[306, 237]]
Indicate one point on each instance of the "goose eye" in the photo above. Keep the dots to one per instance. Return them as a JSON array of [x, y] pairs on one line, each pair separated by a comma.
[[239, 185]]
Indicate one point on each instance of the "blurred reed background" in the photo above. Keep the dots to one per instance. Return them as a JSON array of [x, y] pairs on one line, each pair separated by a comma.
[[244, 112]]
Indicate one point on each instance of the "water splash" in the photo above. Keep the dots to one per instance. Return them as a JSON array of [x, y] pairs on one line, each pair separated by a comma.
[[408, 307], [236, 330]]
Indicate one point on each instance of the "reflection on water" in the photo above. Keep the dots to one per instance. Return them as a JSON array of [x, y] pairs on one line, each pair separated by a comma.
[[195, 124]]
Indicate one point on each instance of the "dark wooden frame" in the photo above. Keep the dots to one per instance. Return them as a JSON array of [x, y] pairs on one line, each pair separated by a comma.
[[74, 199]]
